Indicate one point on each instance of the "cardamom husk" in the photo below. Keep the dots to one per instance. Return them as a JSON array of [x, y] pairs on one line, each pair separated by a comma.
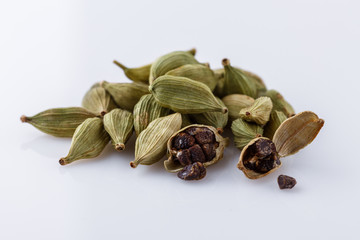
[[89, 140], [147, 110], [236, 102], [140, 74], [244, 132], [126, 95], [184, 95], [98, 101], [258, 112], [279, 103], [150, 145], [119, 125], [59, 122], [276, 118]]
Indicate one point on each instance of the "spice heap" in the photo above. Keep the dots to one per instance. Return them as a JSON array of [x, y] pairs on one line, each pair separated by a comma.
[[180, 107]]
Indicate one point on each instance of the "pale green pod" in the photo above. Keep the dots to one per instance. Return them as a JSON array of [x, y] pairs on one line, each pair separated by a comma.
[[126, 95], [236, 102], [258, 112], [244, 132], [197, 72], [236, 81], [186, 121], [119, 124], [140, 74], [89, 140], [184, 95], [276, 118], [170, 61], [150, 145], [260, 85], [59, 122], [98, 101], [219, 75], [147, 110], [279, 103]]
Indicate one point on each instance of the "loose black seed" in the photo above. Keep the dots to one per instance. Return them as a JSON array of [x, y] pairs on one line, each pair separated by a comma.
[[196, 153], [183, 141], [195, 171], [286, 182], [183, 156]]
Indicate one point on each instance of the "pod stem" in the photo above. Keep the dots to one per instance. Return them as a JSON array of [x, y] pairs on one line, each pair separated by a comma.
[[120, 147], [133, 164], [63, 161], [224, 110], [120, 65], [24, 118], [225, 62]]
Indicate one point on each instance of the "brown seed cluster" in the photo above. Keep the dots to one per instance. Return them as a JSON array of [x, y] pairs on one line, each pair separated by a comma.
[[195, 171]]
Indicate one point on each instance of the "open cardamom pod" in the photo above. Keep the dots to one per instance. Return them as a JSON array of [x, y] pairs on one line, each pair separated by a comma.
[[170, 61], [126, 95], [276, 118], [119, 125], [59, 122], [140, 74], [236, 81], [279, 103], [89, 140], [197, 72], [150, 145], [258, 112], [244, 132], [98, 101], [236, 102], [184, 95]]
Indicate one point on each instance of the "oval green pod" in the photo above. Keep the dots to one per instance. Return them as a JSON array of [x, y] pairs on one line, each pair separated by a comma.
[[279, 103], [98, 101], [140, 74], [236, 102], [258, 112], [276, 118], [244, 132]]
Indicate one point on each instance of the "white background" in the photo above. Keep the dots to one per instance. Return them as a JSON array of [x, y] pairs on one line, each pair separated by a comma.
[[51, 52]]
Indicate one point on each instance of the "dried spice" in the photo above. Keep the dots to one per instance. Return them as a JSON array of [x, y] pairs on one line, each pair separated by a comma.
[[279, 103], [244, 132], [258, 112], [286, 182], [194, 171], [140, 74], [236, 102], [276, 118], [98, 101]]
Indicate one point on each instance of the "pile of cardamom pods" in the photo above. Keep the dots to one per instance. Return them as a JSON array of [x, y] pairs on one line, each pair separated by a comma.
[[180, 107]]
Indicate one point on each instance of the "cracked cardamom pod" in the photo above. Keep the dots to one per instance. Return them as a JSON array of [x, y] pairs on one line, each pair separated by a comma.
[[170, 61], [184, 95], [89, 140], [194, 143], [236, 81], [258, 112], [236, 102], [119, 125], [140, 74], [279, 103], [147, 110], [59, 122], [126, 95], [150, 145], [276, 118], [98, 101], [197, 72], [216, 119], [260, 85], [244, 132]]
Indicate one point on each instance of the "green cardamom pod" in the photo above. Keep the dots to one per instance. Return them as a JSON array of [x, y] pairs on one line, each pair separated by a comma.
[[89, 140], [276, 118], [236, 102], [244, 132], [197, 72], [98, 101], [260, 85], [150, 145], [126, 95], [186, 121], [59, 122], [169, 62], [140, 74], [215, 119], [236, 81], [147, 110], [258, 112], [279, 103], [219, 75], [119, 125], [184, 95]]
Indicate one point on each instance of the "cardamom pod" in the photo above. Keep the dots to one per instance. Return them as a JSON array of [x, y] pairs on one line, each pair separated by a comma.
[[184, 95], [119, 125], [150, 145], [89, 140], [186, 121], [194, 143], [236, 81], [276, 118], [170, 61], [219, 75], [126, 95], [147, 110], [59, 122], [140, 74], [260, 85], [98, 101], [236, 102], [244, 132], [258, 112], [197, 72], [279, 103]]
